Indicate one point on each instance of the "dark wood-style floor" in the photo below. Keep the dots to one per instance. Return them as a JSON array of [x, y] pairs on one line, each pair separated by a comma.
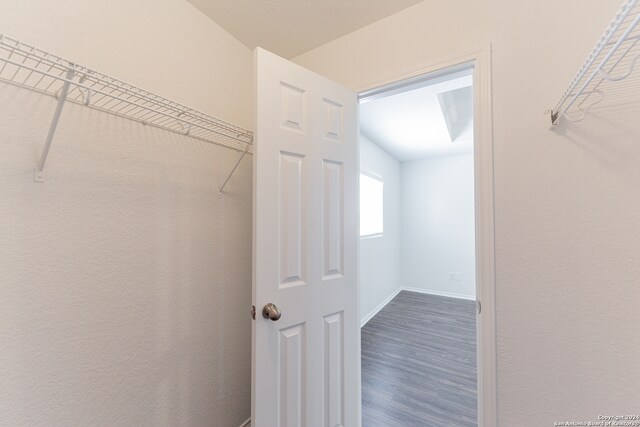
[[419, 363]]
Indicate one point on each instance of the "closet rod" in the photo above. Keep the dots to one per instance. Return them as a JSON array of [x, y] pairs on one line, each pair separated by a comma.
[[35, 69]]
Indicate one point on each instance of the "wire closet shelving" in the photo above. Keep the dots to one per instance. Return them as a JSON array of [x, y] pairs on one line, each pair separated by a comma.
[[612, 60], [35, 69]]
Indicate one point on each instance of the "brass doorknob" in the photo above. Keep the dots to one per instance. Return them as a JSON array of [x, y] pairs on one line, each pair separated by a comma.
[[270, 311]]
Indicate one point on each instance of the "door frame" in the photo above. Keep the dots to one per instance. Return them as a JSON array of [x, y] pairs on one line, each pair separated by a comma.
[[480, 60]]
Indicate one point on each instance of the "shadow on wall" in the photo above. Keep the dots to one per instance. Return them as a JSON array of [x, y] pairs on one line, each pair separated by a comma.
[[125, 278], [610, 123]]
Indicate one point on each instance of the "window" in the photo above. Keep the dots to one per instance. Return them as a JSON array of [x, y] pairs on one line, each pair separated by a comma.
[[371, 205]]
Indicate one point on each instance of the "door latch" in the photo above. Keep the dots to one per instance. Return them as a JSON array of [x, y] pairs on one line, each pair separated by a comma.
[[478, 307], [253, 312]]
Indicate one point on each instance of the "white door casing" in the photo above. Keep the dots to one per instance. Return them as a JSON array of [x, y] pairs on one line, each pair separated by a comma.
[[480, 59], [305, 366]]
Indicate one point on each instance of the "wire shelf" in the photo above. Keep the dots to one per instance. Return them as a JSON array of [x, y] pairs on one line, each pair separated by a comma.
[[612, 60], [35, 69]]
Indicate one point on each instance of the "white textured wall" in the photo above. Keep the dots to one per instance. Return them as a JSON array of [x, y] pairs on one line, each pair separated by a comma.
[[380, 255], [125, 281], [566, 201], [567, 223], [438, 225]]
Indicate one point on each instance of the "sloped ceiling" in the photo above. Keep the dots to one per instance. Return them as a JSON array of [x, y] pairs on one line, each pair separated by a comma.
[[291, 27], [430, 120]]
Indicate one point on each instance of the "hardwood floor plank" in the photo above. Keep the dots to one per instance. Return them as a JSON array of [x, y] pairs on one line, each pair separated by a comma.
[[419, 363]]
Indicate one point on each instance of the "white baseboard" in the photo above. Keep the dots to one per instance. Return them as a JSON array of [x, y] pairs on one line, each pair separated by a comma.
[[439, 293], [246, 423], [380, 306], [388, 299]]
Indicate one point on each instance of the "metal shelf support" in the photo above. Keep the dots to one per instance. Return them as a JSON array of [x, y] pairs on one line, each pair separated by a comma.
[[224, 184], [617, 49], [26, 66], [62, 98]]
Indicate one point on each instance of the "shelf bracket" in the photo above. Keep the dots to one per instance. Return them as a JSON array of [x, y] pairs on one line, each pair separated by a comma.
[[38, 175], [244, 153]]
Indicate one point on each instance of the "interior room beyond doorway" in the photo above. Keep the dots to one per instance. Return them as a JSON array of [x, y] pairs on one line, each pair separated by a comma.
[[417, 253]]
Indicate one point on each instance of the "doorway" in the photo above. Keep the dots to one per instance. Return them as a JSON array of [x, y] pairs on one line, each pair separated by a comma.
[[418, 251], [308, 146]]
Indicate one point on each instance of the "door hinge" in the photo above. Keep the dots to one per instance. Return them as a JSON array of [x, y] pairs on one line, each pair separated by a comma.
[[478, 307], [253, 312]]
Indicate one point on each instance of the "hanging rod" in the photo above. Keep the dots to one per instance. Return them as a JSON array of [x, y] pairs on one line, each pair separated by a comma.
[[613, 59], [35, 69]]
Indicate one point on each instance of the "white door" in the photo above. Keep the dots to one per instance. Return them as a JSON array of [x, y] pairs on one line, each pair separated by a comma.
[[306, 363]]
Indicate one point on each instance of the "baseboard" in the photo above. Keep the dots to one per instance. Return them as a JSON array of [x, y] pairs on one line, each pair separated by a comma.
[[388, 299], [246, 423], [439, 293], [380, 306]]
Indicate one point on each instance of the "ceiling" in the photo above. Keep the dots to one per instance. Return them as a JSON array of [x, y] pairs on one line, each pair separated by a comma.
[[291, 27], [427, 119]]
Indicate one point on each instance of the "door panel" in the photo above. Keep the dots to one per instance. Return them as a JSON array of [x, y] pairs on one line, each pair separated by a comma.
[[291, 379], [293, 239], [333, 384], [333, 225], [305, 364]]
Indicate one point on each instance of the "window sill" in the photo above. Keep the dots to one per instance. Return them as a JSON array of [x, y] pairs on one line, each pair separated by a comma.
[[371, 236]]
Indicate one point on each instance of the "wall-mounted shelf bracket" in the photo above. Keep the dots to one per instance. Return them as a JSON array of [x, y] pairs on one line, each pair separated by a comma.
[[613, 59], [27, 66], [62, 98], [244, 153]]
